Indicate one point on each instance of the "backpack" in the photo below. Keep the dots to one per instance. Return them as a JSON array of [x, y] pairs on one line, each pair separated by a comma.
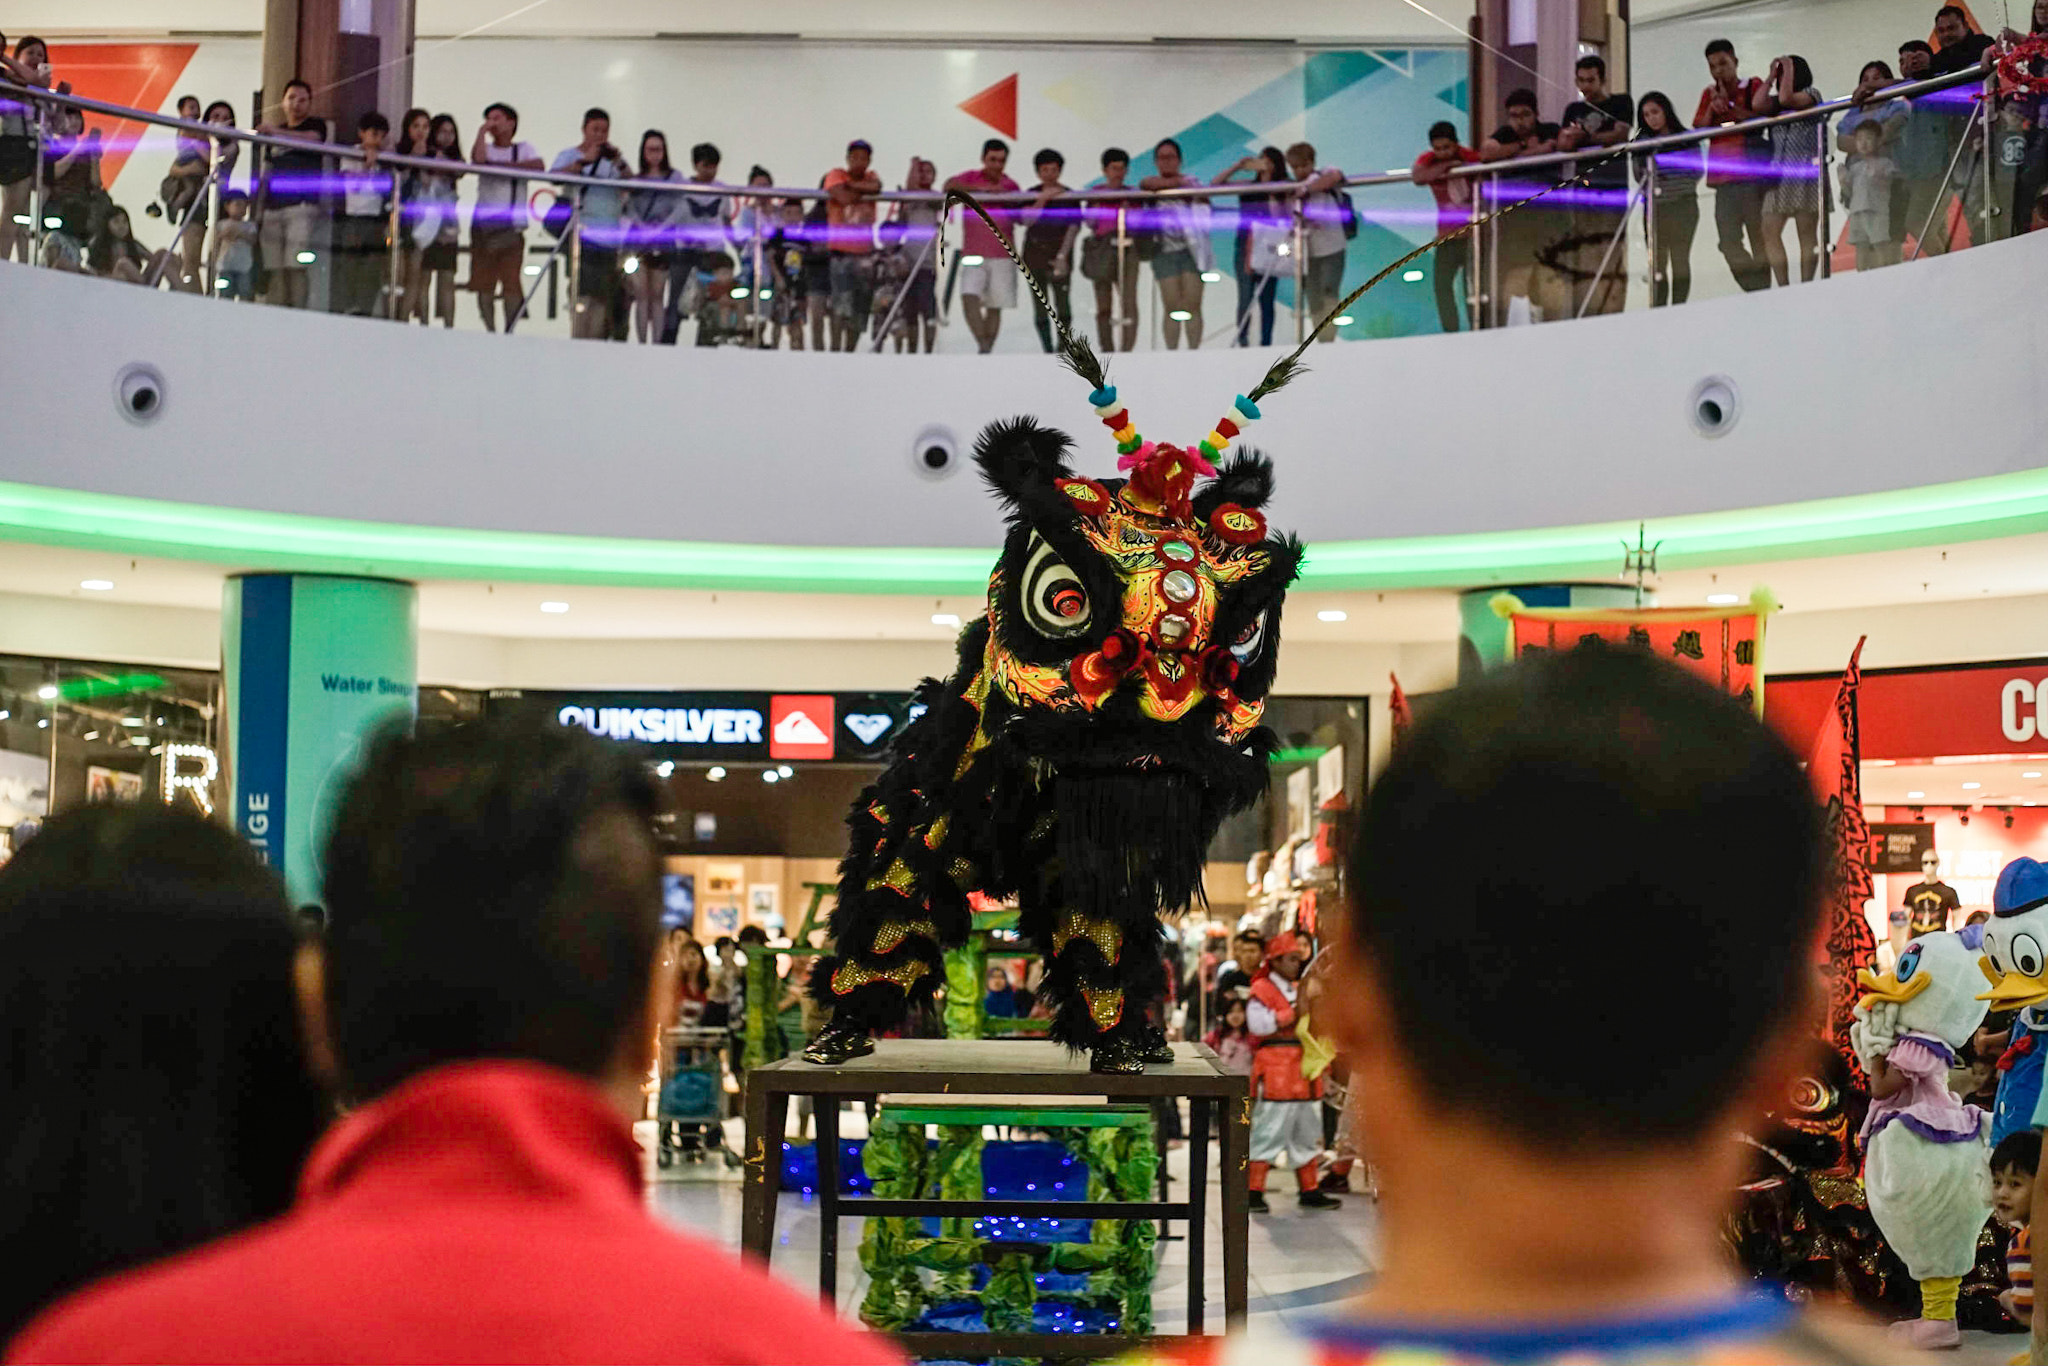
[[1347, 214]]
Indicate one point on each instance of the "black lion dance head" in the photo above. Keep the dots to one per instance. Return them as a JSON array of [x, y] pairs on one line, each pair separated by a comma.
[[1103, 720]]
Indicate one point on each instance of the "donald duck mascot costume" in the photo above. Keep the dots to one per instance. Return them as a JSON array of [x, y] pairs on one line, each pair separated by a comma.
[[1927, 1157]]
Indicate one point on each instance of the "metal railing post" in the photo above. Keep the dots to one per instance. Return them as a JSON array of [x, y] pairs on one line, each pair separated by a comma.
[[1989, 209], [395, 282], [1497, 311], [1297, 245], [546, 271], [1825, 269], [1940, 207], [573, 235], [760, 266], [35, 189], [1122, 291], [1650, 230], [163, 262], [1600, 275]]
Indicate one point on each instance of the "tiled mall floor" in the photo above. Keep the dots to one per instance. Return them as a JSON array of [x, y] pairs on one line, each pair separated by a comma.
[[1303, 1262]]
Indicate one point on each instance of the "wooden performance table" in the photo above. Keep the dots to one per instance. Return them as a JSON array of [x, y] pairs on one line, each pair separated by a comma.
[[992, 1069]]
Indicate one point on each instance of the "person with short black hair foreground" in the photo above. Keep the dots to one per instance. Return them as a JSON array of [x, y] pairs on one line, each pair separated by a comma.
[[486, 1000], [155, 1093], [1553, 1178]]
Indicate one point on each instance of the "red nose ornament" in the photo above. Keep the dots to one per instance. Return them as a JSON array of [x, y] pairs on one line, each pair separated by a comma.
[[1094, 676]]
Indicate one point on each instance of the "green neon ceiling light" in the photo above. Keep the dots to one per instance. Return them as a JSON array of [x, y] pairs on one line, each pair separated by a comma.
[[1973, 509]]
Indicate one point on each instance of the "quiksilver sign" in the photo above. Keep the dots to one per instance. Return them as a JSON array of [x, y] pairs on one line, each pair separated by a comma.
[[668, 725]]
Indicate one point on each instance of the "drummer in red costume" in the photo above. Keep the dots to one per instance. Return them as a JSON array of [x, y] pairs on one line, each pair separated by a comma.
[[1287, 1121]]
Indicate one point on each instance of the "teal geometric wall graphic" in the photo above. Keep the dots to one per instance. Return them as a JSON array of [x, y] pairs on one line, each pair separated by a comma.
[[1455, 96], [1326, 73]]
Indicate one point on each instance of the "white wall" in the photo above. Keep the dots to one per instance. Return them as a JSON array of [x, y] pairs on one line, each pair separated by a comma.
[[927, 20], [1892, 379]]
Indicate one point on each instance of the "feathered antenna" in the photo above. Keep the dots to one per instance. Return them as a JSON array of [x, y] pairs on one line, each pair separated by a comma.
[[1075, 352], [1290, 367]]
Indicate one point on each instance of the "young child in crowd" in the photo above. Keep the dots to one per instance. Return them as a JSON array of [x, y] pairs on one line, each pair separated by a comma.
[[1232, 1039], [2013, 1164], [1867, 195], [785, 252], [233, 267]]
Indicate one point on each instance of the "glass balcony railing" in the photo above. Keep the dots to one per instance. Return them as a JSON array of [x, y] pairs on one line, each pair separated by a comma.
[[1918, 169]]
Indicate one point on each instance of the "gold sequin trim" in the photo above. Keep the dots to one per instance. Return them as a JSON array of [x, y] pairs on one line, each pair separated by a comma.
[[852, 976], [963, 874], [896, 931], [936, 836], [1105, 1006], [1101, 933], [898, 876]]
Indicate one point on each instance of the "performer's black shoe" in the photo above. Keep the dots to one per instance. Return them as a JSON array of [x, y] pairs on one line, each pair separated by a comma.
[[1319, 1200], [1117, 1056], [1152, 1045], [1256, 1203], [836, 1043]]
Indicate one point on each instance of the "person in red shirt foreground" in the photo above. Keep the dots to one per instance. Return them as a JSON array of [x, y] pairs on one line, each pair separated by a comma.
[[485, 1000], [1553, 1177]]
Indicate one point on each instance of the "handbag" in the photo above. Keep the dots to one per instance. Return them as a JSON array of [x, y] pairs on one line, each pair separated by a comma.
[[1347, 214], [1098, 258], [556, 219], [177, 194]]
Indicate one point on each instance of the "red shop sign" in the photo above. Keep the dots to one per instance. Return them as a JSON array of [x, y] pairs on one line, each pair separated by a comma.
[[1995, 709]]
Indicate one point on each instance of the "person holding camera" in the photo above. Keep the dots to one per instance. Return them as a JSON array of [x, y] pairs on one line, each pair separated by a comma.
[[599, 283]]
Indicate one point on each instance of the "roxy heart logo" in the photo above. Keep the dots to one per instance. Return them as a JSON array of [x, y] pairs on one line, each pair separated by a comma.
[[800, 727], [869, 726]]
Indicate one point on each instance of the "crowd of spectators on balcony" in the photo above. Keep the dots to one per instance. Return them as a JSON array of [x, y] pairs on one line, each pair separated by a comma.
[[669, 249]]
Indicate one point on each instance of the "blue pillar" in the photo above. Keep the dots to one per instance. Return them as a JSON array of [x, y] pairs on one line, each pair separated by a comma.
[[311, 664], [1483, 635]]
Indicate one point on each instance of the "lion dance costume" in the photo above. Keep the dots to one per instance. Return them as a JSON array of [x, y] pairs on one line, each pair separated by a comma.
[[1102, 722]]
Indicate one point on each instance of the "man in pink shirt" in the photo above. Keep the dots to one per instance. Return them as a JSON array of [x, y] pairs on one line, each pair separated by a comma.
[[988, 278]]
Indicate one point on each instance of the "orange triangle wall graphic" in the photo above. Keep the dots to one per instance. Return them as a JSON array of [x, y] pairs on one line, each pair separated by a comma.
[[996, 106], [140, 75]]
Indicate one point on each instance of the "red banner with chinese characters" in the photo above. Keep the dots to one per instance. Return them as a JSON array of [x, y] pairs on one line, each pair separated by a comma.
[[1835, 769], [1724, 645]]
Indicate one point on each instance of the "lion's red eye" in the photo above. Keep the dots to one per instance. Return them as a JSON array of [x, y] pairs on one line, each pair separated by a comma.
[[1251, 629], [1068, 602]]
